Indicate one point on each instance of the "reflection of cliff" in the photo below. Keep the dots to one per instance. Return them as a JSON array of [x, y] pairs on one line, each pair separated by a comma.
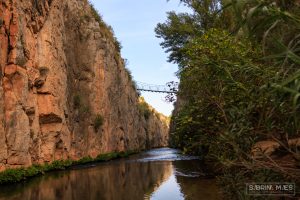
[[128, 181], [195, 187]]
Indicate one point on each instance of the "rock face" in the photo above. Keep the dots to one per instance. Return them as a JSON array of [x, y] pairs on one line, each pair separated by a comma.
[[64, 90]]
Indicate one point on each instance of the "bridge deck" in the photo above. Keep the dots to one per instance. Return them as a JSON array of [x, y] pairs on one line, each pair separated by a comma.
[[157, 88]]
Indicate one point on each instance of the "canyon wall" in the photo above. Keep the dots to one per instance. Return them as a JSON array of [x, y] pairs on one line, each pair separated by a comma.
[[64, 90]]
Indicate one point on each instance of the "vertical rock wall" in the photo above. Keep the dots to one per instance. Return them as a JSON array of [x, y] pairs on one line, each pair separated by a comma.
[[64, 91]]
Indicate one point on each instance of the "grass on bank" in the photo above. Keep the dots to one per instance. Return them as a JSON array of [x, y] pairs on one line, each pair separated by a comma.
[[22, 174]]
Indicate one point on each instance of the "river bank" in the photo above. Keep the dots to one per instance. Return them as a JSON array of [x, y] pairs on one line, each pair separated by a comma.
[[162, 173], [22, 174]]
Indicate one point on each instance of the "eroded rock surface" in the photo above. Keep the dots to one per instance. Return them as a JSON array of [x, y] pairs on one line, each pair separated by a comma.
[[59, 71]]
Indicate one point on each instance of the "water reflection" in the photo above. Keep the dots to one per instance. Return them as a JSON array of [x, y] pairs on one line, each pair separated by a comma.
[[137, 178], [187, 182]]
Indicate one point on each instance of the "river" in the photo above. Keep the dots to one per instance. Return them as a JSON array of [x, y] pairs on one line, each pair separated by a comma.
[[158, 174]]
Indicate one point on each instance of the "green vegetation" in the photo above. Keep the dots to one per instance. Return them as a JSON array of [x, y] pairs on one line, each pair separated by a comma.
[[22, 174], [84, 111], [118, 44], [21, 61], [76, 101], [239, 85], [129, 73], [107, 29], [144, 108], [98, 122], [43, 71], [130, 77], [82, 105]]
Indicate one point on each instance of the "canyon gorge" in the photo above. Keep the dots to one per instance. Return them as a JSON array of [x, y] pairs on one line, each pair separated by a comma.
[[64, 90]]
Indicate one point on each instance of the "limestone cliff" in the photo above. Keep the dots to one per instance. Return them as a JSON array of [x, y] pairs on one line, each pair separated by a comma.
[[64, 90]]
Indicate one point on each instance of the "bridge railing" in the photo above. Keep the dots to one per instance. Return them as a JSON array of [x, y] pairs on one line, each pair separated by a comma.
[[168, 88]]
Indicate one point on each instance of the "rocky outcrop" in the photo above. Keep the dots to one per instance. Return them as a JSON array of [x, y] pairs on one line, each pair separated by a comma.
[[64, 91]]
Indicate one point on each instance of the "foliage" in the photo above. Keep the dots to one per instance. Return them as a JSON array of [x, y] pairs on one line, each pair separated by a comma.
[[130, 77], [43, 71], [77, 101], [84, 111], [175, 34], [180, 28], [173, 86], [144, 108], [235, 92], [107, 157], [22, 174], [118, 44], [21, 61], [129, 73], [217, 81], [98, 122], [84, 160], [107, 29]]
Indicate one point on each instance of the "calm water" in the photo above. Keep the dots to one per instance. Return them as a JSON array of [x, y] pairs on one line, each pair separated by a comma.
[[160, 174]]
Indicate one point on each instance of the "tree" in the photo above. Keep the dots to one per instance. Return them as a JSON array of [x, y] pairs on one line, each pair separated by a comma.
[[180, 28], [235, 92]]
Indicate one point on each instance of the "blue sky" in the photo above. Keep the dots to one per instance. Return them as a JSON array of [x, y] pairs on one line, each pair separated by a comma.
[[134, 22]]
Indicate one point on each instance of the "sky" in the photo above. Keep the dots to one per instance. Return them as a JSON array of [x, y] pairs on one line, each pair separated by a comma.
[[133, 22]]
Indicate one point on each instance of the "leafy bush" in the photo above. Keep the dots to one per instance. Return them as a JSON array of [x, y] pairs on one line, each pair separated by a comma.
[[129, 74], [130, 77], [22, 174], [21, 61], [217, 85], [144, 108], [107, 156], [84, 110], [43, 71], [97, 16], [98, 122], [107, 29], [235, 92], [118, 44], [77, 101], [84, 160]]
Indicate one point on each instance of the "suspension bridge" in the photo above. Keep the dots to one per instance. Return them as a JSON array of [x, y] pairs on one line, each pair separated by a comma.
[[169, 88]]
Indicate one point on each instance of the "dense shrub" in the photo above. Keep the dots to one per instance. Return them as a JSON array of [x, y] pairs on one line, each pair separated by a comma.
[[235, 92], [98, 122], [144, 108], [77, 101], [22, 174]]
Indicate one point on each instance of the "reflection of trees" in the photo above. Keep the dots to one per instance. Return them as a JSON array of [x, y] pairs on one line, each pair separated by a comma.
[[117, 180], [105, 182], [195, 187]]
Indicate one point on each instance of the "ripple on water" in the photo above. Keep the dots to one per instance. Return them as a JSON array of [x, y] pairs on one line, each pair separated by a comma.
[[190, 174], [165, 154]]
